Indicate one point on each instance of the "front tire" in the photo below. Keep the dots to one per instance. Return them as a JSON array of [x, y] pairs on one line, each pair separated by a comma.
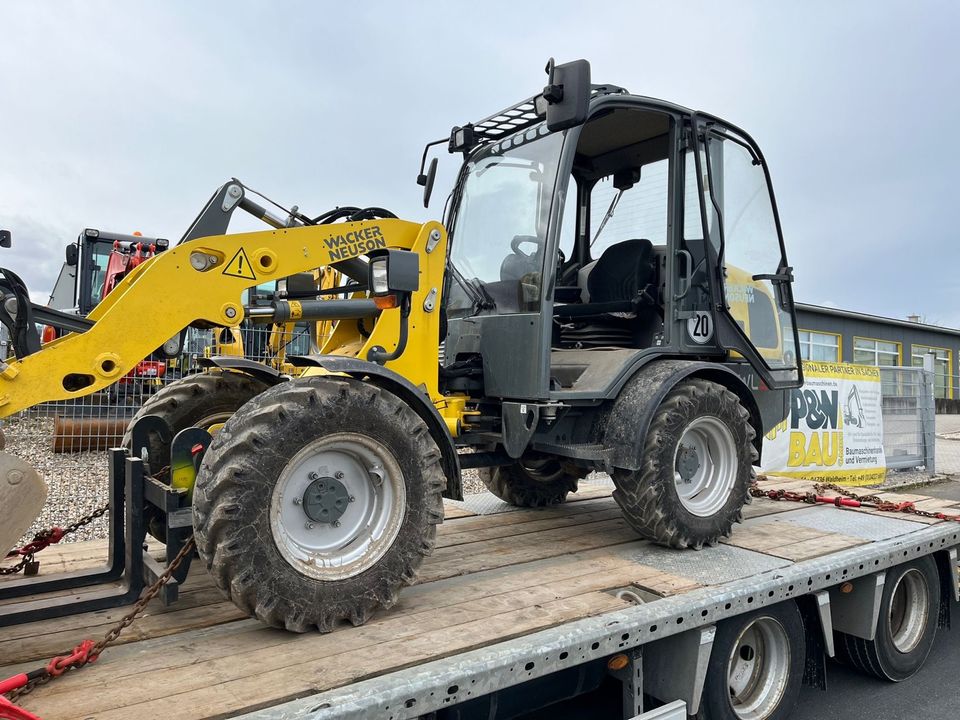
[[696, 468], [317, 502]]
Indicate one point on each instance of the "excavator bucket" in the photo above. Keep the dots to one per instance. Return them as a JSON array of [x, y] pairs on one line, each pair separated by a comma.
[[22, 495]]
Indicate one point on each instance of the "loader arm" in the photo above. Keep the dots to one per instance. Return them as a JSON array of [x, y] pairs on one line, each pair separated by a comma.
[[202, 282]]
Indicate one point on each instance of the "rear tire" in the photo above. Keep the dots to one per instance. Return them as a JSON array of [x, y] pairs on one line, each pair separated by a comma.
[[275, 460], [756, 666], [696, 468], [906, 628], [534, 481]]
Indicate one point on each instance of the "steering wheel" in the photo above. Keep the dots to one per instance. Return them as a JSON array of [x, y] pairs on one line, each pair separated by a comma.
[[519, 240]]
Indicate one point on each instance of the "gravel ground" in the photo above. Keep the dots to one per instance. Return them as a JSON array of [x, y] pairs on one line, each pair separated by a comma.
[[76, 482]]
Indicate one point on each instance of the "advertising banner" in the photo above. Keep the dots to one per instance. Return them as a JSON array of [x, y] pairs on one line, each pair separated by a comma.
[[834, 432]]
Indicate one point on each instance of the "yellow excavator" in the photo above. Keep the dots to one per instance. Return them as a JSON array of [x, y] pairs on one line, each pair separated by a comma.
[[659, 355]]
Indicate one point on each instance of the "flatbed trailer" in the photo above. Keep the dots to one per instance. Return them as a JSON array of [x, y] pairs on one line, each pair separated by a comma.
[[516, 608]]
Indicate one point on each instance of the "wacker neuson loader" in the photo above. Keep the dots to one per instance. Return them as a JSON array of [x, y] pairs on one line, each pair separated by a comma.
[[609, 291]]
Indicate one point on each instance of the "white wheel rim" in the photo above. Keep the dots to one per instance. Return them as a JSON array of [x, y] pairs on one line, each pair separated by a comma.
[[909, 610], [758, 669], [708, 445], [368, 526]]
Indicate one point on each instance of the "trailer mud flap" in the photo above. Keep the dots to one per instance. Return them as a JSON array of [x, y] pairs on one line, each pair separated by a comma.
[[856, 606], [676, 667], [22, 495]]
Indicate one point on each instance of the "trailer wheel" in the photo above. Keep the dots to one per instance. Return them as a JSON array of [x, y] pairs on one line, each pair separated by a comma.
[[203, 400], [535, 481], [317, 502], [756, 666], [696, 468], [906, 628]]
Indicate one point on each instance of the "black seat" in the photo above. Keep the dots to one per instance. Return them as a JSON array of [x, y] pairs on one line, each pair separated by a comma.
[[623, 279]]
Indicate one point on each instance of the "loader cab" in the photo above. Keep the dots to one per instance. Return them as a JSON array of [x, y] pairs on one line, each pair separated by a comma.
[[95, 263], [579, 255]]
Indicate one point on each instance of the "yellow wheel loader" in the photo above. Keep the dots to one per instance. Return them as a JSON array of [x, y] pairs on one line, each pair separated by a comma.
[[608, 291]]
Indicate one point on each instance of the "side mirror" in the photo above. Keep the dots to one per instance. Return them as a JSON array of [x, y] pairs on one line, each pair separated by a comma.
[[6, 239], [72, 254], [427, 182], [566, 98]]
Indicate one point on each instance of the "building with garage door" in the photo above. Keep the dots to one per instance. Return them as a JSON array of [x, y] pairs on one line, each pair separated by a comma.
[[832, 335]]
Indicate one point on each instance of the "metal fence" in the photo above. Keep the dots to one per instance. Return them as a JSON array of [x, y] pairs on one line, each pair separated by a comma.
[[909, 418]]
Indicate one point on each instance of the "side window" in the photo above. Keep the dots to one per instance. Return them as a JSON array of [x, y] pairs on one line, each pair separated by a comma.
[[640, 212]]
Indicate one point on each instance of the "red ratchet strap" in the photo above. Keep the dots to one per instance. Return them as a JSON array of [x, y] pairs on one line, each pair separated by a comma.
[[9, 711], [80, 656], [52, 536]]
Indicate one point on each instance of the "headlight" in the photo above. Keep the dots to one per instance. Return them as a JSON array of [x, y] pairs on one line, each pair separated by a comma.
[[378, 276]]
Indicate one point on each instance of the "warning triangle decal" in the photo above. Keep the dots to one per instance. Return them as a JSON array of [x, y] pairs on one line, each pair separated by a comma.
[[240, 266]]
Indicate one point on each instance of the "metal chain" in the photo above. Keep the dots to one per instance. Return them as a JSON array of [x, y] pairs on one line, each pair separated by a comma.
[[840, 490], [88, 652], [852, 500], [86, 519], [47, 537], [13, 569]]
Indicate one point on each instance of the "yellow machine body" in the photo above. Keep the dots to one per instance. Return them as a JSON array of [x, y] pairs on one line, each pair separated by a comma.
[[201, 282]]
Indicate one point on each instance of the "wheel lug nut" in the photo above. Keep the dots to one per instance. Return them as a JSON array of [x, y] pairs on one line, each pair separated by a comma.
[[314, 476], [338, 475], [336, 523], [309, 526], [351, 498], [297, 501]]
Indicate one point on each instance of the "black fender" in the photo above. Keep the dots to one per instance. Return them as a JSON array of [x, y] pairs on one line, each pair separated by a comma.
[[628, 418], [271, 376], [408, 392]]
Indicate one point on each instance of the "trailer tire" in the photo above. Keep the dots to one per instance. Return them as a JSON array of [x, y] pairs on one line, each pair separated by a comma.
[[534, 481], [714, 422], [737, 686], [280, 553], [907, 625], [200, 400]]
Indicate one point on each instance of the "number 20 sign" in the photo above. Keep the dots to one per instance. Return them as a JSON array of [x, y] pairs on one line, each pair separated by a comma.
[[700, 327]]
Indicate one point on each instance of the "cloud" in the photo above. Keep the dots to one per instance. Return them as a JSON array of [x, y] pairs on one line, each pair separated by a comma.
[[127, 117]]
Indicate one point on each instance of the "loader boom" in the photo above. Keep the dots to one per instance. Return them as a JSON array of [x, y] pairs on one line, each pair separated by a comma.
[[201, 282]]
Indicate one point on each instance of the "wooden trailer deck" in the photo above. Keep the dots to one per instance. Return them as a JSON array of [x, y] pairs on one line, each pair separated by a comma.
[[492, 577]]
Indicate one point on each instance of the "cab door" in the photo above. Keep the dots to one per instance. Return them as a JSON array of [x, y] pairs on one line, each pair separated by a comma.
[[757, 319]]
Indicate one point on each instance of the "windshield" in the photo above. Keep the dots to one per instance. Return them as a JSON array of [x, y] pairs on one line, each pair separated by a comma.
[[97, 270], [500, 223]]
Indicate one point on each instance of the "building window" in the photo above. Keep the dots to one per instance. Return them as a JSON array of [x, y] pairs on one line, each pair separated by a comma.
[[867, 351], [942, 360], [818, 346]]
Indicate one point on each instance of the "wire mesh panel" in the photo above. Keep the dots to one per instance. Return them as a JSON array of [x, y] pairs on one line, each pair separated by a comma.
[[908, 418]]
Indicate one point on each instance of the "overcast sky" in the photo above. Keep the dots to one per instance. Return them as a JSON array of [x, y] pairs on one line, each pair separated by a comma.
[[127, 116]]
